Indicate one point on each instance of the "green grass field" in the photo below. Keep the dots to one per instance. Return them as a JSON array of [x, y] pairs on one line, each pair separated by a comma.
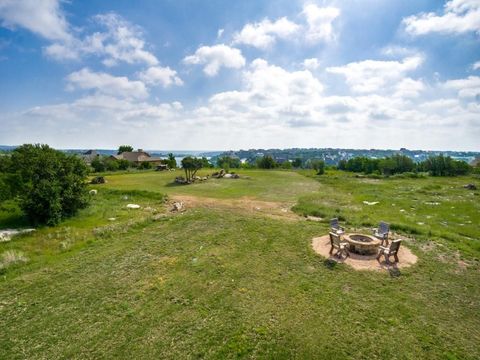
[[217, 283]]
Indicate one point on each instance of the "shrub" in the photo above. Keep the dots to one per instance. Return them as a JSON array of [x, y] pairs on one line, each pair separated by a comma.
[[145, 165], [266, 162], [50, 184]]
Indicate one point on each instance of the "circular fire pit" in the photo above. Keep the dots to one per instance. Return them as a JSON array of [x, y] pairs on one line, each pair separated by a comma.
[[362, 244]]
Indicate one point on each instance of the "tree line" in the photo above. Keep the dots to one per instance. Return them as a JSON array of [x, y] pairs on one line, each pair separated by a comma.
[[397, 164]]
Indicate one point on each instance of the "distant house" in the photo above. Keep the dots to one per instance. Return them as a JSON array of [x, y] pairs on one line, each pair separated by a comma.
[[89, 156], [138, 157], [475, 162]]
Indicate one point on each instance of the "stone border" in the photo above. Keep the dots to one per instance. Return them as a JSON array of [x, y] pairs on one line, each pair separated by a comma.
[[321, 245]]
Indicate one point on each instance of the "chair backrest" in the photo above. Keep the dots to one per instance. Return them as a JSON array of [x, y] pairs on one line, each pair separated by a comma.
[[334, 223], [334, 239], [394, 246], [383, 227]]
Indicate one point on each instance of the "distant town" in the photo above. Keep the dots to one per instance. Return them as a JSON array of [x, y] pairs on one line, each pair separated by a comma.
[[329, 155]]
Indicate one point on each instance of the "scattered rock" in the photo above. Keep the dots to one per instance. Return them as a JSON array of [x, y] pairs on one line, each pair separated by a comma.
[[93, 192], [7, 234], [470, 187], [314, 218], [180, 180], [227, 176], [219, 174], [370, 202], [178, 206], [98, 180], [158, 216], [112, 219], [432, 203], [133, 206]]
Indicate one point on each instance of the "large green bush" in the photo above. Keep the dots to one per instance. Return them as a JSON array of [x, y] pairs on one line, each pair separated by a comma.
[[49, 184]]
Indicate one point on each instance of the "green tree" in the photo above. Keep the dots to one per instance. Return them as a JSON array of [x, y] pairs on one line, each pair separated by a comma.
[[191, 165], [171, 161], [297, 163], [227, 162], [266, 162], [98, 165], [124, 148], [123, 164], [318, 166], [51, 184]]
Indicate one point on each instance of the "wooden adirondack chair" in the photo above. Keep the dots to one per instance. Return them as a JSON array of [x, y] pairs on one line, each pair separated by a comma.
[[391, 250], [335, 227], [337, 243], [382, 232]]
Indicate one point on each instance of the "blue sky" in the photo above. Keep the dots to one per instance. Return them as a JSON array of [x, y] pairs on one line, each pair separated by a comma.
[[241, 74]]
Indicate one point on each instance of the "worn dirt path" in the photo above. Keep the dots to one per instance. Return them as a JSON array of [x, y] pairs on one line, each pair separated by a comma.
[[272, 209]]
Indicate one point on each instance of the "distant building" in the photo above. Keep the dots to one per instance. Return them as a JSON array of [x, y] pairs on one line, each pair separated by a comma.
[[475, 162], [89, 155], [138, 157]]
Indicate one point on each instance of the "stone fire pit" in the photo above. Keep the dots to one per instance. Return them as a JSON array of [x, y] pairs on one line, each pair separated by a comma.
[[362, 244]]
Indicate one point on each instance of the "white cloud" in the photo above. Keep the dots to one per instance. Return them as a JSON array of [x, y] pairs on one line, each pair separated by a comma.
[[215, 57], [476, 66], [320, 22], [311, 64], [157, 75], [44, 18], [466, 88], [120, 41], [220, 33], [373, 75], [270, 93], [459, 16], [264, 34], [106, 84], [409, 88]]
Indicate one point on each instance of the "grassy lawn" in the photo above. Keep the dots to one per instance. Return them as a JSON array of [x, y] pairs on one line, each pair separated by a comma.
[[211, 283], [259, 184]]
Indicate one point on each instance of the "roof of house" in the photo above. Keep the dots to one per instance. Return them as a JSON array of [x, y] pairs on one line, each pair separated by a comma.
[[475, 162], [136, 156]]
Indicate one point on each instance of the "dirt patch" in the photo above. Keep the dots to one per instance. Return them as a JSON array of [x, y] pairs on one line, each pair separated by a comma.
[[321, 245], [270, 209]]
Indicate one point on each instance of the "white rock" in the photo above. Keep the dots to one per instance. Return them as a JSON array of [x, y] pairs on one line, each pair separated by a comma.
[[133, 206], [370, 202], [7, 234], [93, 192]]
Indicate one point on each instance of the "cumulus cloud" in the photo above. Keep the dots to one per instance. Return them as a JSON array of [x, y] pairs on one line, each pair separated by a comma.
[[466, 88], [320, 22], [215, 57], [106, 84], [311, 64], [157, 75], [476, 65], [265, 33], [459, 16], [119, 41], [373, 75], [44, 18]]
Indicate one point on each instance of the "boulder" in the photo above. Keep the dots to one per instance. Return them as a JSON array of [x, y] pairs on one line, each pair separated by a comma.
[[93, 192], [98, 180], [133, 206], [178, 206], [470, 187]]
